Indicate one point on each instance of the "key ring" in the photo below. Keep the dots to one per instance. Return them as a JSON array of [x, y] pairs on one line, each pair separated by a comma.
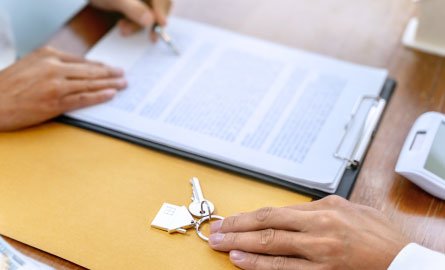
[[209, 217], [201, 221], [208, 209]]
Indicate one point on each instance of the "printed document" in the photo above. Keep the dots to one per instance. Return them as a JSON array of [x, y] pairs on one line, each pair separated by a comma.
[[12, 259], [237, 99]]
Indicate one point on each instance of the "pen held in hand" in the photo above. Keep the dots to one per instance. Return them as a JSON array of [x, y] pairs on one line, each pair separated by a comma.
[[159, 30]]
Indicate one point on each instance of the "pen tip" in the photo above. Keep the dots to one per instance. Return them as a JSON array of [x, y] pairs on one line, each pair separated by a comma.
[[175, 50]]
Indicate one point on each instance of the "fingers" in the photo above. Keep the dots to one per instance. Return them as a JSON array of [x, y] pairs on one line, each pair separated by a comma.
[[78, 67], [327, 203], [65, 57], [85, 99], [249, 261], [265, 218], [137, 11], [60, 57], [90, 71], [127, 27], [160, 10], [153, 36], [140, 14], [51, 52], [77, 86], [73, 82], [270, 241]]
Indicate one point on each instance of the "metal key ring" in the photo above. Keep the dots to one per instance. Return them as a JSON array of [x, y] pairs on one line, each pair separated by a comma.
[[208, 209], [201, 221]]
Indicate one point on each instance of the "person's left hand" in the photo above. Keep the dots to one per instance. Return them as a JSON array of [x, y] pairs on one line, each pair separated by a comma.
[[331, 233], [138, 13], [48, 82]]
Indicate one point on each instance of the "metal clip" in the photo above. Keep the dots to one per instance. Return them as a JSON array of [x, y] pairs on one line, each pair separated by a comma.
[[366, 132]]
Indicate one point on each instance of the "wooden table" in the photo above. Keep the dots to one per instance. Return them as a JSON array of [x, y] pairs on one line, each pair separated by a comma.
[[363, 31]]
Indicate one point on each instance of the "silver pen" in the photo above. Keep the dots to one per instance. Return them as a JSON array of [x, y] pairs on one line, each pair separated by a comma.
[[159, 30]]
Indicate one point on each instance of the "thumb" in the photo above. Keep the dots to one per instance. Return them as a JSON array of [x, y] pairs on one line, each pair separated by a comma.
[[137, 11]]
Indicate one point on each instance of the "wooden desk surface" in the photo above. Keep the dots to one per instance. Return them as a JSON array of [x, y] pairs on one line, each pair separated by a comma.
[[366, 32]]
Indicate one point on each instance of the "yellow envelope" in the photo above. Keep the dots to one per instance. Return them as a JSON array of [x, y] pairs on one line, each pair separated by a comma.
[[90, 199]]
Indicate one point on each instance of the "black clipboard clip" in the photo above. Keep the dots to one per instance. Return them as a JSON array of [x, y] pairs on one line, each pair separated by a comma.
[[366, 133]]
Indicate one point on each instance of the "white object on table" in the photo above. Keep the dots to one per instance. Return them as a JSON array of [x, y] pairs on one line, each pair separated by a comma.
[[422, 159], [14, 260], [427, 32]]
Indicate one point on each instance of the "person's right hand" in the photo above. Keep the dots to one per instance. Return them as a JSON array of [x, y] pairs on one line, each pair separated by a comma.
[[331, 233], [138, 13], [48, 83]]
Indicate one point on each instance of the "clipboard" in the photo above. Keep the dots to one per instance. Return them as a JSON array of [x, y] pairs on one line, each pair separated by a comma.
[[346, 184]]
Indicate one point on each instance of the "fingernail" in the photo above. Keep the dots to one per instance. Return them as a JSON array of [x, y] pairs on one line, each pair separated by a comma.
[[146, 19], [118, 72], [122, 83], [216, 226], [125, 30], [236, 255], [109, 93], [216, 239], [153, 37]]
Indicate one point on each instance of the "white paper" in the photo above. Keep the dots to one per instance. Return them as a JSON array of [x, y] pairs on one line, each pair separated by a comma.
[[14, 260], [236, 99]]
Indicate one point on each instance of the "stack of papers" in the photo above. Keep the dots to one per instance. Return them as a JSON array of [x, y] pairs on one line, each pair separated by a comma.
[[237, 100]]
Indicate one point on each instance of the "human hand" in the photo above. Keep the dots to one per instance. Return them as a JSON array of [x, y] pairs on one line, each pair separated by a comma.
[[139, 13], [47, 83], [331, 233]]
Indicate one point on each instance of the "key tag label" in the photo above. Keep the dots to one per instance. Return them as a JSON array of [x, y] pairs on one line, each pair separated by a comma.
[[173, 218]]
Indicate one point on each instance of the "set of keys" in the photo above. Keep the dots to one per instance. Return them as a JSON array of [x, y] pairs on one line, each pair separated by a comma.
[[178, 219]]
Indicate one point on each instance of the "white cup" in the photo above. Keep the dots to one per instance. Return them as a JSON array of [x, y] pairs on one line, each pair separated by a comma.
[[431, 28], [7, 47]]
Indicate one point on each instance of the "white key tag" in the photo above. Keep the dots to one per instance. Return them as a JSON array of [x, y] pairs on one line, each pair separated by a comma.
[[173, 218]]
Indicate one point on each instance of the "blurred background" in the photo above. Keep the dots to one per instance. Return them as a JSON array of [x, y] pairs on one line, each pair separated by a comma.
[[33, 22]]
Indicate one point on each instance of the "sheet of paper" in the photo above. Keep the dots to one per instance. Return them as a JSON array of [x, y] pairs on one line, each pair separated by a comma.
[[11, 259], [236, 99]]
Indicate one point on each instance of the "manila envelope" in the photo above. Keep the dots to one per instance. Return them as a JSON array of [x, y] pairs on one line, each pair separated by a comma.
[[90, 199]]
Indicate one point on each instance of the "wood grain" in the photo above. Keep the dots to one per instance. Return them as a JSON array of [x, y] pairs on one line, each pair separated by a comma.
[[363, 31]]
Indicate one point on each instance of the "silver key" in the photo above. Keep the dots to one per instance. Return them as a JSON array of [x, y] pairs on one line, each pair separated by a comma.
[[200, 206]]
